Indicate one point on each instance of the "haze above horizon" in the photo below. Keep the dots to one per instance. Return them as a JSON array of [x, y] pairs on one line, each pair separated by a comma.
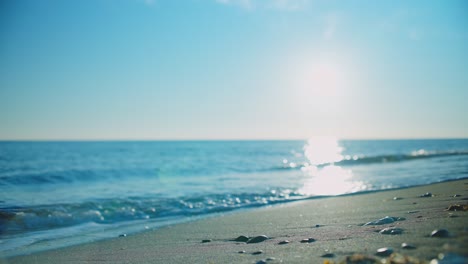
[[233, 69]]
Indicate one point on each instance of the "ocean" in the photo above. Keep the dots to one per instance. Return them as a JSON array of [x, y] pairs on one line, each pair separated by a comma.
[[55, 194]]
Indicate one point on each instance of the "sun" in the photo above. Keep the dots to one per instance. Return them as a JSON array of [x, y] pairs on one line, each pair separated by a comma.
[[323, 79]]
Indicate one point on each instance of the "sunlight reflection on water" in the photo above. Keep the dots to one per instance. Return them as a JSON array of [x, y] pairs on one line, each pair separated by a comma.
[[330, 179]]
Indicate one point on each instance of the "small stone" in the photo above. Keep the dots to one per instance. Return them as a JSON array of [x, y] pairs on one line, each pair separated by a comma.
[[328, 255], [391, 231], [257, 252], [456, 195], [413, 212], [440, 233], [308, 240], [385, 220], [206, 240], [262, 261], [397, 198], [407, 246], [242, 239], [428, 194], [317, 225], [122, 235], [257, 239], [384, 252], [283, 242], [241, 252], [270, 259]]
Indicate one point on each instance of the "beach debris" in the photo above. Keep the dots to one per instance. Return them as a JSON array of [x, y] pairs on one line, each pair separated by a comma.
[[384, 252], [428, 194], [206, 240], [257, 239], [457, 207], [284, 242], [408, 246], [308, 240], [257, 252], [397, 258], [328, 255], [122, 235], [242, 239], [440, 233], [385, 220], [241, 251], [360, 259], [391, 231]]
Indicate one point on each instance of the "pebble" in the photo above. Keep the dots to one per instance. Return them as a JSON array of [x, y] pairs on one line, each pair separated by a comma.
[[257, 252], [391, 231], [328, 255], [283, 242], [317, 225], [206, 240], [407, 246], [383, 252], [428, 194], [397, 198], [308, 240], [257, 239], [262, 261], [122, 235], [270, 259], [242, 239], [385, 220], [241, 252], [440, 233]]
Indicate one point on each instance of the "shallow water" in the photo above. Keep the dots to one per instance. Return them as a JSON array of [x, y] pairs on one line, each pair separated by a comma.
[[60, 193]]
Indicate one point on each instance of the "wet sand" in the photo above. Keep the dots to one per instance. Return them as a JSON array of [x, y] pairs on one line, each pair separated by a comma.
[[334, 224]]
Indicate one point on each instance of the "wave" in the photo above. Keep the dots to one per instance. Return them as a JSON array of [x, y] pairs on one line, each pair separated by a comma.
[[31, 177], [378, 159], [72, 176], [17, 220]]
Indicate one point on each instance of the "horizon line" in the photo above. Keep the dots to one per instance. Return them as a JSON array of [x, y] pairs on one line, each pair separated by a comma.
[[218, 139]]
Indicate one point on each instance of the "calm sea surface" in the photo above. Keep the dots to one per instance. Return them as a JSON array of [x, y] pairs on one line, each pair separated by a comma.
[[54, 194]]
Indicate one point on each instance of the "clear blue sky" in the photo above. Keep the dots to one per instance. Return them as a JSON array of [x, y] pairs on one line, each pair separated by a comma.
[[233, 69]]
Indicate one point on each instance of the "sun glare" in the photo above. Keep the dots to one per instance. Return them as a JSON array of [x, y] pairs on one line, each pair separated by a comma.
[[323, 79], [324, 176]]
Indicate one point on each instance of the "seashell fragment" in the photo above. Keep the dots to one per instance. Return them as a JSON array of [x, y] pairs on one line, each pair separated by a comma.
[[383, 252], [440, 233], [391, 231]]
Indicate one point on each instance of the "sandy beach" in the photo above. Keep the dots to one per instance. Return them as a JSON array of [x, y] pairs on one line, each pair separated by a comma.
[[323, 230]]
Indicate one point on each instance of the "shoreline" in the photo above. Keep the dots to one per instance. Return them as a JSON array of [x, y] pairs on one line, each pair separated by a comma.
[[334, 222]]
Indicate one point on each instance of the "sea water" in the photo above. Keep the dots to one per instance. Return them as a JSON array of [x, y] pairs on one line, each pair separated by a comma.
[[54, 194]]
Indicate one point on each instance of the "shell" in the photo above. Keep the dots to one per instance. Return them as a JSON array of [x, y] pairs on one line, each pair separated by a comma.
[[440, 233]]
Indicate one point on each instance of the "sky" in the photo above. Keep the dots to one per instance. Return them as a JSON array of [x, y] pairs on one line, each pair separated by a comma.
[[233, 69]]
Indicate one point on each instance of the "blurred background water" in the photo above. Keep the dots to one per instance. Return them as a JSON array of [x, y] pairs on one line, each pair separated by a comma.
[[55, 194]]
